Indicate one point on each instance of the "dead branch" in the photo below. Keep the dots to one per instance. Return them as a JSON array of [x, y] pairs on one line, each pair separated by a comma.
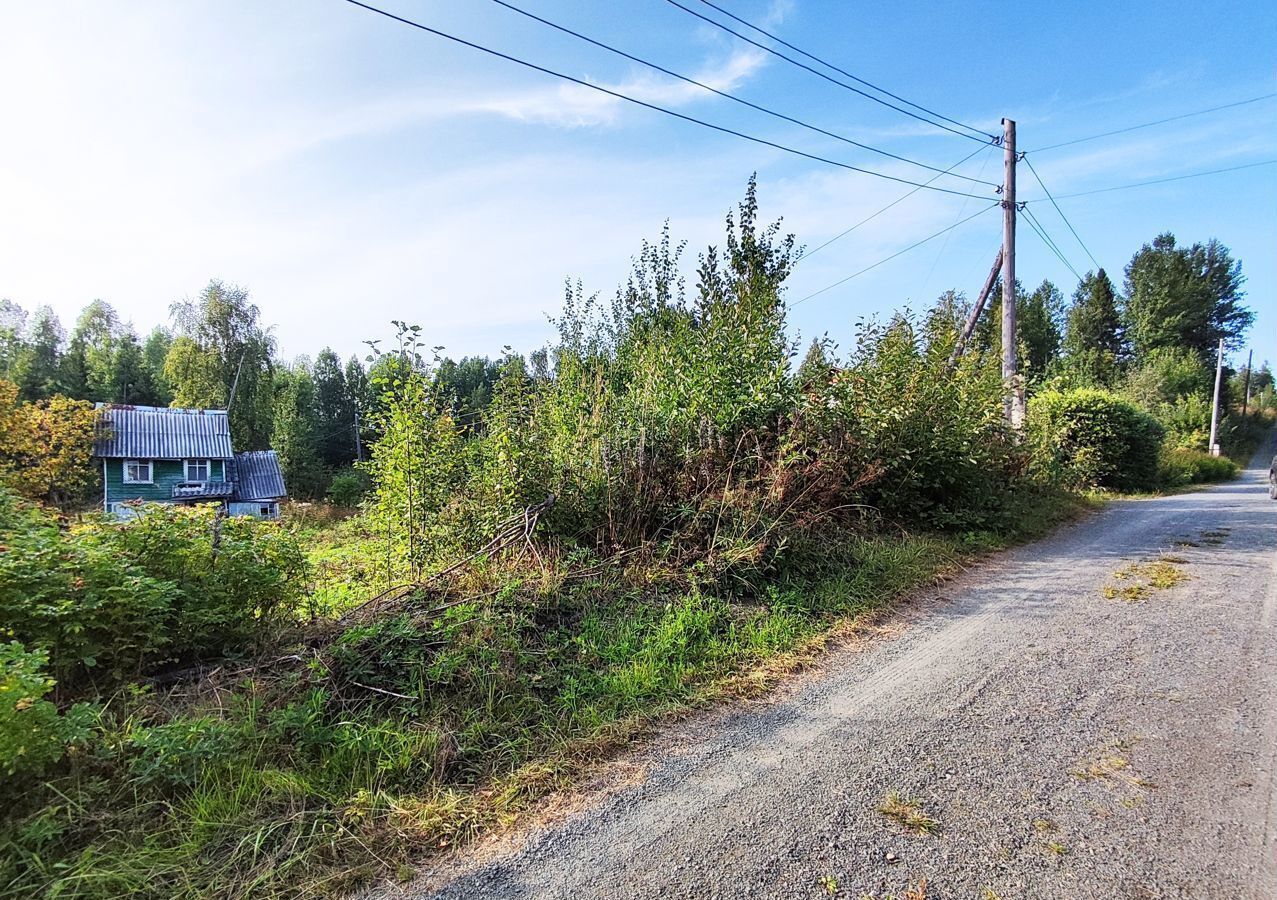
[[369, 687]]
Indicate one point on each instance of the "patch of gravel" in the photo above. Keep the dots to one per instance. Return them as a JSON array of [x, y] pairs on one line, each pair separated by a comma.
[[1069, 745]]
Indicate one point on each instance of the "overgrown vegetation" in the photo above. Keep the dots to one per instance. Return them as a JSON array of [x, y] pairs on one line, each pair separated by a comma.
[[552, 551]]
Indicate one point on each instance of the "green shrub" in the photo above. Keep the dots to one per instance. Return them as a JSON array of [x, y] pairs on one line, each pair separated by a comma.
[[1165, 375], [116, 599], [173, 755], [1240, 436], [236, 577], [33, 734], [1187, 421], [1180, 466], [77, 598], [348, 487], [1089, 438], [907, 436]]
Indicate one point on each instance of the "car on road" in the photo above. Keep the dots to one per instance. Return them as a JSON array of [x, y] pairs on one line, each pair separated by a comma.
[[1272, 480]]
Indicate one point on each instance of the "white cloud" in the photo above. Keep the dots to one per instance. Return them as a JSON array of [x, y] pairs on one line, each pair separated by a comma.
[[574, 105]]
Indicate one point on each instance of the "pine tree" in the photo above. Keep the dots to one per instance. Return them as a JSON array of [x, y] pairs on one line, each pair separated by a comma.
[[39, 365], [816, 367], [1093, 321], [334, 410], [1038, 322]]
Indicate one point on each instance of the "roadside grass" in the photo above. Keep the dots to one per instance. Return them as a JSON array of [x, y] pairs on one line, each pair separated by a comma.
[[413, 731]]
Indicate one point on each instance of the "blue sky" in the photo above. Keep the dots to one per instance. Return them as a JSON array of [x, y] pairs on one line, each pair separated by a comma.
[[348, 170]]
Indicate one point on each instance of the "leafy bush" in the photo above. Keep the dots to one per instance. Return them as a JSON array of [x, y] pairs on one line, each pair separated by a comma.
[[1240, 436], [909, 437], [348, 487], [1092, 438], [173, 755], [236, 577], [1187, 421], [46, 446], [77, 598], [1165, 375], [33, 734], [172, 584], [1180, 466]]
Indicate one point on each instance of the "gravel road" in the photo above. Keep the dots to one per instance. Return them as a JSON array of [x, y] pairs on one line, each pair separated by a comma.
[[1068, 744]]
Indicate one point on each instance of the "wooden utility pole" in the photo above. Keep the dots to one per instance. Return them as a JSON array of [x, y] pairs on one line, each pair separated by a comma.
[[1214, 413], [1250, 361], [359, 444], [974, 317], [1014, 404]]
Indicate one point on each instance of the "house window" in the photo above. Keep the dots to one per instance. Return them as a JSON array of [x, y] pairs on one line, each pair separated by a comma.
[[197, 470], [138, 471]]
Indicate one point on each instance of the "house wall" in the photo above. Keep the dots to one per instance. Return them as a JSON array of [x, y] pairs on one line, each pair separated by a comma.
[[260, 509], [164, 473]]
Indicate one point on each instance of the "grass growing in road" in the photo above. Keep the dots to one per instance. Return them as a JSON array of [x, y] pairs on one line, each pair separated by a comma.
[[1135, 581], [908, 813]]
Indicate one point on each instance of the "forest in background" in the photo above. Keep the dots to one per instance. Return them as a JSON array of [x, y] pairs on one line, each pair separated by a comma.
[[1175, 303], [667, 506]]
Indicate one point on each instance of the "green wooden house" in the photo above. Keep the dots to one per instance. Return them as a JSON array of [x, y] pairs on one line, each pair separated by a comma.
[[163, 455]]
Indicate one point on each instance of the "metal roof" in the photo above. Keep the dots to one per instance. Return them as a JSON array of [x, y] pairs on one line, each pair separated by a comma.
[[257, 476], [152, 432], [202, 490]]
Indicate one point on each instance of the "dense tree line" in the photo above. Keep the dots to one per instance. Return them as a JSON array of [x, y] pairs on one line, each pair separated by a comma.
[[1175, 301], [215, 353], [320, 414]]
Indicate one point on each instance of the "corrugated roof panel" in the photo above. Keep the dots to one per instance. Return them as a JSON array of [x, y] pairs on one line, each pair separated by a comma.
[[202, 490], [257, 476], [150, 432]]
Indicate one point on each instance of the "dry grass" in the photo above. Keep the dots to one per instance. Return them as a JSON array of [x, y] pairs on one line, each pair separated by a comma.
[[1136, 581], [909, 814], [1111, 766], [918, 892]]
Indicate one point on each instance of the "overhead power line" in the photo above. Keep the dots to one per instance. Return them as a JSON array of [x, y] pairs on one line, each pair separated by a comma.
[[944, 245], [842, 84], [732, 97], [661, 109], [856, 78], [1188, 115], [1076, 236], [874, 215], [888, 259], [1138, 184], [1049, 242]]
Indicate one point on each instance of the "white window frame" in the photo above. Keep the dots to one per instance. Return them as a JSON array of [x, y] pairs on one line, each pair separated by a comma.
[[208, 470], [150, 471]]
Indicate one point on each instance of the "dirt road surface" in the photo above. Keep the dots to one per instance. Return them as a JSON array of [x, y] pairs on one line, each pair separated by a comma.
[[1072, 733]]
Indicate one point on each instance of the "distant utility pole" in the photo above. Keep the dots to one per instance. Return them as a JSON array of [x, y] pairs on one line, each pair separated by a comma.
[[1250, 361], [1014, 404], [1214, 413], [359, 446]]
